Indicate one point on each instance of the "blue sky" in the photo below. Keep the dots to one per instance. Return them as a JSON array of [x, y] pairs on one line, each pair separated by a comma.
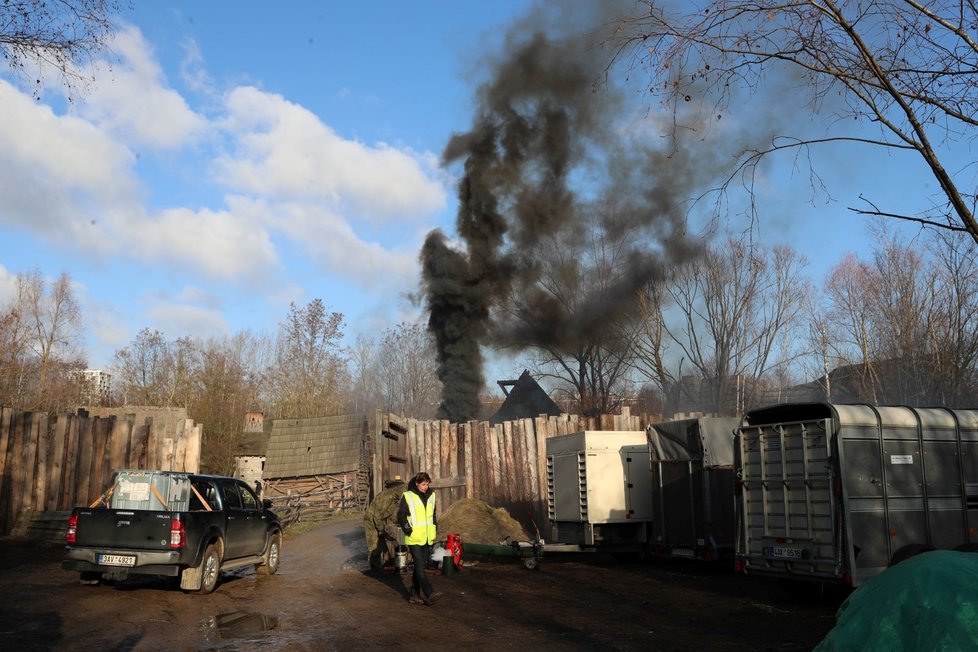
[[235, 158]]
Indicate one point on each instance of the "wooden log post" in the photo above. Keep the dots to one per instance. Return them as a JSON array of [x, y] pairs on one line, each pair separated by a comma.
[[495, 453], [41, 462], [194, 436], [7, 416], [470, 427], [59, 441], [541, 427], [154, 435], [139, 456], [100, 443], [508, 463], [530, 460], [445, 432], [120, 438], [180, 445], [18, 455]]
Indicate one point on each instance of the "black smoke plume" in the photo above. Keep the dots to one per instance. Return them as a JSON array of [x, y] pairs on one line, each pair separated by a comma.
[[549, 143]]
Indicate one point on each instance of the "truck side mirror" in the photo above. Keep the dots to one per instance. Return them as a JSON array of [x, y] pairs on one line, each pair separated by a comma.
[[266, 503]]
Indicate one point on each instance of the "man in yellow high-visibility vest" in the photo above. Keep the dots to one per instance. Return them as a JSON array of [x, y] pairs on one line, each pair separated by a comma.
[[418, 517]]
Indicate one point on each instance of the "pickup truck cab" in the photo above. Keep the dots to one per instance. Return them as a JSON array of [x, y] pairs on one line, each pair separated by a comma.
[[172, 524]]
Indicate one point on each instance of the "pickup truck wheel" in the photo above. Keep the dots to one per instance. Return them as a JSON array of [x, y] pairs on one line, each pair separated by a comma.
[[272, 556], [89, 578], [210, 569]]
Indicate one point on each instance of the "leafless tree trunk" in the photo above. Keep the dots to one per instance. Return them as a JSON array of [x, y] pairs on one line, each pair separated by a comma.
[[56, 326], [903, 325], [406, 371], [727, 312], [63, 36], [578, 317], [906, 70], [309, 375]]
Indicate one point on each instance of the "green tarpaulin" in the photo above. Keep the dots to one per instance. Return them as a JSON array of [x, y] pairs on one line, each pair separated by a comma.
[[928, 602]]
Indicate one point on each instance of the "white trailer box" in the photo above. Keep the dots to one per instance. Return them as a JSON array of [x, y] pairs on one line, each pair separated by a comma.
[[599, 489]]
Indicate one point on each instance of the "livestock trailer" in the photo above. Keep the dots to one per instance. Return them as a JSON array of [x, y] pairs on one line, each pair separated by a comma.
[[598, 490], [693, 488], [836, 493]]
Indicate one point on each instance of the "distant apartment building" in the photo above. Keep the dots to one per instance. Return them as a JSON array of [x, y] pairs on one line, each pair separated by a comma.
[[96, 386]]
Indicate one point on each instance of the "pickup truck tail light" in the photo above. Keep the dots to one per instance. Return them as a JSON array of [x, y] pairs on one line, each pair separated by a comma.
[[72, 528], [177, 539]]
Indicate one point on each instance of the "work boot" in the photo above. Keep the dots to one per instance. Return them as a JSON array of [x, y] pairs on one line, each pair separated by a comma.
[[430, 600], [414, 599]]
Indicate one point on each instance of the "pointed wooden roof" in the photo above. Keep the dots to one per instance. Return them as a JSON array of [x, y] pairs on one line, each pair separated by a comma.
[[525, 400]]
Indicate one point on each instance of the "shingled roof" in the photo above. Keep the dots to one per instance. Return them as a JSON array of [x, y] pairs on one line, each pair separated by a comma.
[[302, 447]]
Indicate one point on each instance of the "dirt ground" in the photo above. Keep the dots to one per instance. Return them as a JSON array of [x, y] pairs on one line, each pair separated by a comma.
[[324, 598]]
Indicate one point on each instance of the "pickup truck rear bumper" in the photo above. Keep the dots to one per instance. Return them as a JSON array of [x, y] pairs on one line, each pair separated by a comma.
[[148, 562]]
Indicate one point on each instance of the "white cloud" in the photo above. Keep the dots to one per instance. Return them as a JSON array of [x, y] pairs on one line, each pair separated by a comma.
[[218, 244], [192, 70], [134, 102], [55, 169], [180, 319], [331, 242], [283, 150], [71, 180], [8, 286]]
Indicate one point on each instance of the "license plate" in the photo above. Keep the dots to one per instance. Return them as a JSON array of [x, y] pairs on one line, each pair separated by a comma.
[[781, 552], [682, 552], [117, 560]]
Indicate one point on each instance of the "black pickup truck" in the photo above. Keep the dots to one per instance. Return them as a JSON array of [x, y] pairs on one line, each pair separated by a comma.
[[179, 525]]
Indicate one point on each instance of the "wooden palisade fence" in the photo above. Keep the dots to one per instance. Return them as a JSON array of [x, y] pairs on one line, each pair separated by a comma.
[[503, 465], [47, 466]]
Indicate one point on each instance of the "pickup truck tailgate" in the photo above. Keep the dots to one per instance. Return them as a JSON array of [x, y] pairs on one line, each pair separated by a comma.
[[128, 529]]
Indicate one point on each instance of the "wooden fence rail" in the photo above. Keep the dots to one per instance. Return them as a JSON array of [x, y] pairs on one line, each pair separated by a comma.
[[47, 466], [503, 465]]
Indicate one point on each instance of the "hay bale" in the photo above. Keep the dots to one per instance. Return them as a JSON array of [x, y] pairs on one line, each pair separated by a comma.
[[477, 522], [380, 526]]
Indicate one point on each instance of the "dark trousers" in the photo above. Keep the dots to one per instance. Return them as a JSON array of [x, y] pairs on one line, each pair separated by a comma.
[[419, 581]]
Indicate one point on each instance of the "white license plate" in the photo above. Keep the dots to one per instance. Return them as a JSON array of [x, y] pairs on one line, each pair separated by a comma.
[[117, 560], [682, 552], [781, 552]]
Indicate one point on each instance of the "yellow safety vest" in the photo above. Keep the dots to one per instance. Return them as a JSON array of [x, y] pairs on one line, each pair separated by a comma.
[[421, 519]]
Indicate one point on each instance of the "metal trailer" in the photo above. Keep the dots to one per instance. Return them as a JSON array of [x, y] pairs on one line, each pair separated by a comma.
[[598, 491], [836, 493], [692, 488]]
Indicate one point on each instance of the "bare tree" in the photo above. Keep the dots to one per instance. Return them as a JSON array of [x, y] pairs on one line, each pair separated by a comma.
[[14, 346], [727, 314], [903, 68], [405, 371], [901, 325], [227, 386], [40, 335], [59, 35], [364, 392], [140, 369], [56, 329], [309, 375], [576, 317]]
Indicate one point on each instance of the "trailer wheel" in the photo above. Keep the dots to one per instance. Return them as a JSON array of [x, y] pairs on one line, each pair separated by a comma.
[[531, 563], [906, 552]]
